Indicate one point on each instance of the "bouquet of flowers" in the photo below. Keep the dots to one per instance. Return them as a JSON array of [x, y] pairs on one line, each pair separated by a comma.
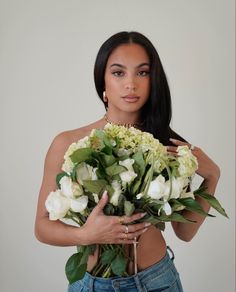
[[139, 175]]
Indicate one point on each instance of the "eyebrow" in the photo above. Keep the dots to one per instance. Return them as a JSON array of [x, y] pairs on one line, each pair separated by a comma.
[[122, 66]]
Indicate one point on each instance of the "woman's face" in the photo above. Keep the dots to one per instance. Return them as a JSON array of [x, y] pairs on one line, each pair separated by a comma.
[[127, 80]]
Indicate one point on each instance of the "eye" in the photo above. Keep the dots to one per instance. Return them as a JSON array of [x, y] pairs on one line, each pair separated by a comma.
[[118, 73], [143, 73]]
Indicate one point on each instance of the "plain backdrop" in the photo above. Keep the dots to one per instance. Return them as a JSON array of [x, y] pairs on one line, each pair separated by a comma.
[[47, 53]]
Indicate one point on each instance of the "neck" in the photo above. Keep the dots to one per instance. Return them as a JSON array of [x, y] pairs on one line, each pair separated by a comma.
[[126, 124]]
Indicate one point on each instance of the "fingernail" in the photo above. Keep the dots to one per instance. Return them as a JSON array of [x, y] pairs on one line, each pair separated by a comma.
[[104, 194], [135, 242], [145, 229], [143, 214], [171, 139], [147, 224]]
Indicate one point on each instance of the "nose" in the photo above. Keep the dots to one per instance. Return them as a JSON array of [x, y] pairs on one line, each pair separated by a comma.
[[130, 85]]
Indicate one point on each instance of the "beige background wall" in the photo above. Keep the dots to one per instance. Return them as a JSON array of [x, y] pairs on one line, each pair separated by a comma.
[[47, 52]]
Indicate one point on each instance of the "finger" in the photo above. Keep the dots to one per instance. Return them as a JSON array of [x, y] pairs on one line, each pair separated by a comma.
[[102, 203], [132, 235], [171, 148], [134, 227], [136, 233], [173, 154], [133, 217], [178, 142], [125, 241]]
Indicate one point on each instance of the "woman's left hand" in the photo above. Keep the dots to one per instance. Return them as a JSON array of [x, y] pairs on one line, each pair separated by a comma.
[[207, 168]]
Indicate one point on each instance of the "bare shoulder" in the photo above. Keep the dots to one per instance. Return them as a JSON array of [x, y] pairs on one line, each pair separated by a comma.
[[64, 139]]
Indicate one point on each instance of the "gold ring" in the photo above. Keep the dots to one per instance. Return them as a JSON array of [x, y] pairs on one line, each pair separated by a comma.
[[121, 220], [126, 229], [126, 236]]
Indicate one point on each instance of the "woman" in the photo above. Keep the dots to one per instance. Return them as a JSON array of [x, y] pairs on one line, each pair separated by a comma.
[[131, 82]]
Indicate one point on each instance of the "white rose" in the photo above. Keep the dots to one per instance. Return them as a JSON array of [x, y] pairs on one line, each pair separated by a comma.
[[57, 205], [117, 191], [158, 188], [85, 172], [70, 189], [177, 187], [79, 205], [128, 176], [127, 163]]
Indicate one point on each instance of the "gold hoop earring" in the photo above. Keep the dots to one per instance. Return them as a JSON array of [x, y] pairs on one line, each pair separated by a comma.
[[105, 99]]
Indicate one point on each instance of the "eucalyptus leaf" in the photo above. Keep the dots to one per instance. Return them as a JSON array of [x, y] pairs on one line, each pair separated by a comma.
[[104, 159], [138, 158], [129, 208], [115, 169], [80, 155], [95, 186]]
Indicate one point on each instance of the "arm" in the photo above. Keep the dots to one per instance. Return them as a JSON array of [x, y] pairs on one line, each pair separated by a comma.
[[98, 228], [211, 174]]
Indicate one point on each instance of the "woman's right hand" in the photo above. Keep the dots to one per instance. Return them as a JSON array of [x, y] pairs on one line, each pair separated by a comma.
[[101, 229]]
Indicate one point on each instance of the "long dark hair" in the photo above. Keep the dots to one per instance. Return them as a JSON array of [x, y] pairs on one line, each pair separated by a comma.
[[157, 111]]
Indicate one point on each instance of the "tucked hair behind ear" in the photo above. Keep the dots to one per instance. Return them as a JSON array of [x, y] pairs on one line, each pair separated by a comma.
[[157, 112]]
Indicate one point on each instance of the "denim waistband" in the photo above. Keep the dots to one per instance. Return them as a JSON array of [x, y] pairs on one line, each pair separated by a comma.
[[124, 282]]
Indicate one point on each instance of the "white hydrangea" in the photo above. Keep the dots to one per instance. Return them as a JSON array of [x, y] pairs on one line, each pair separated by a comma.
[[188, 163]]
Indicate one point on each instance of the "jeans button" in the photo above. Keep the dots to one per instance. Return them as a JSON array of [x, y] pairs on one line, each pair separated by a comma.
[[116, 285]]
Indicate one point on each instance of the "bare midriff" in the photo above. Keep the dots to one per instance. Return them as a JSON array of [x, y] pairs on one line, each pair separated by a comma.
[[151, 248]]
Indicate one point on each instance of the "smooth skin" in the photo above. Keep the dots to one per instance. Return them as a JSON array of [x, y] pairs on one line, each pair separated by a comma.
[[127, 86]]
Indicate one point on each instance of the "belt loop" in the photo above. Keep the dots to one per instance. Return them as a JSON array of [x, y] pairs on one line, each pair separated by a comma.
[[171, 253], [91, 282], [138, 283]]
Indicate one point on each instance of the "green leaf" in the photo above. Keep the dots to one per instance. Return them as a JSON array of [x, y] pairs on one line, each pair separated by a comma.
[[115, 169], [129, 208], [109, 209], [108, 256], [110, 190], [136, 185], [87, 250], [194, 206], [160, 225], [179, 218], [95, 186], [213, 202], [80, 155], [73, 273], [118, 265], [107, 150], [104, 159], [139, 161]]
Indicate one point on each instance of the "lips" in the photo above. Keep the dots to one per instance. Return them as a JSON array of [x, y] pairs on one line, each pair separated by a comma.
[[130, 98]]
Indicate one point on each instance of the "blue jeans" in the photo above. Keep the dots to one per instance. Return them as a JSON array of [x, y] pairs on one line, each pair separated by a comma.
[[161, 277]]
